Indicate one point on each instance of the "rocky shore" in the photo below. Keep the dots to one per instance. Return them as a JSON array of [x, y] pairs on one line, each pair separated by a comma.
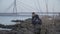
[[26, 27]]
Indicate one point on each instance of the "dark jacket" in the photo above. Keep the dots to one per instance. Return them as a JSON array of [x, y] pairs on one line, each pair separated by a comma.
[[36, 20]]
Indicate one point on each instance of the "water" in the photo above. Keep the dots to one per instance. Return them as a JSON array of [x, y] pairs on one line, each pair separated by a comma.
[[5, 29], [6, 20]]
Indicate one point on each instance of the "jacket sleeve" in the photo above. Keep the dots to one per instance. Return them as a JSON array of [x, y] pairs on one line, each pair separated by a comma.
[[39, 19]]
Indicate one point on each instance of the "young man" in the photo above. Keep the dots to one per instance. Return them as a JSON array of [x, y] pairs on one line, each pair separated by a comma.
[[36, 21]]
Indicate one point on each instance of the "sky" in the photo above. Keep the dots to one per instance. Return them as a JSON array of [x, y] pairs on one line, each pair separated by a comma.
[[29, 6]]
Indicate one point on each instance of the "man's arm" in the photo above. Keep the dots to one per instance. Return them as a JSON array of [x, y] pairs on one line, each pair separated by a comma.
[[39, 19]]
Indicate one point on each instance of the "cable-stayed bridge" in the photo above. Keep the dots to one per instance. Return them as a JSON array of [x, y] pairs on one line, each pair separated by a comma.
[[15, 13], [26, 13]]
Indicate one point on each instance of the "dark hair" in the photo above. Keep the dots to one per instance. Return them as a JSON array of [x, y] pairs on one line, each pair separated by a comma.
[[33, 12]]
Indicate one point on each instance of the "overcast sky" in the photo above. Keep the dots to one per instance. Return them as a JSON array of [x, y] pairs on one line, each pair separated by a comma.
[[30, 5]]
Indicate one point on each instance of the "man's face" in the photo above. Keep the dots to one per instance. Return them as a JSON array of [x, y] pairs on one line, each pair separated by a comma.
[[33, 14]]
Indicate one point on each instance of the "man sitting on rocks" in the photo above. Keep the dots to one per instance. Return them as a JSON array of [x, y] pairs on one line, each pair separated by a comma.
[[36, 21]]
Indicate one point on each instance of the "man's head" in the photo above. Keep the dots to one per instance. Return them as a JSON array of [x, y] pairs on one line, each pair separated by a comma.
[[33, 14]]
